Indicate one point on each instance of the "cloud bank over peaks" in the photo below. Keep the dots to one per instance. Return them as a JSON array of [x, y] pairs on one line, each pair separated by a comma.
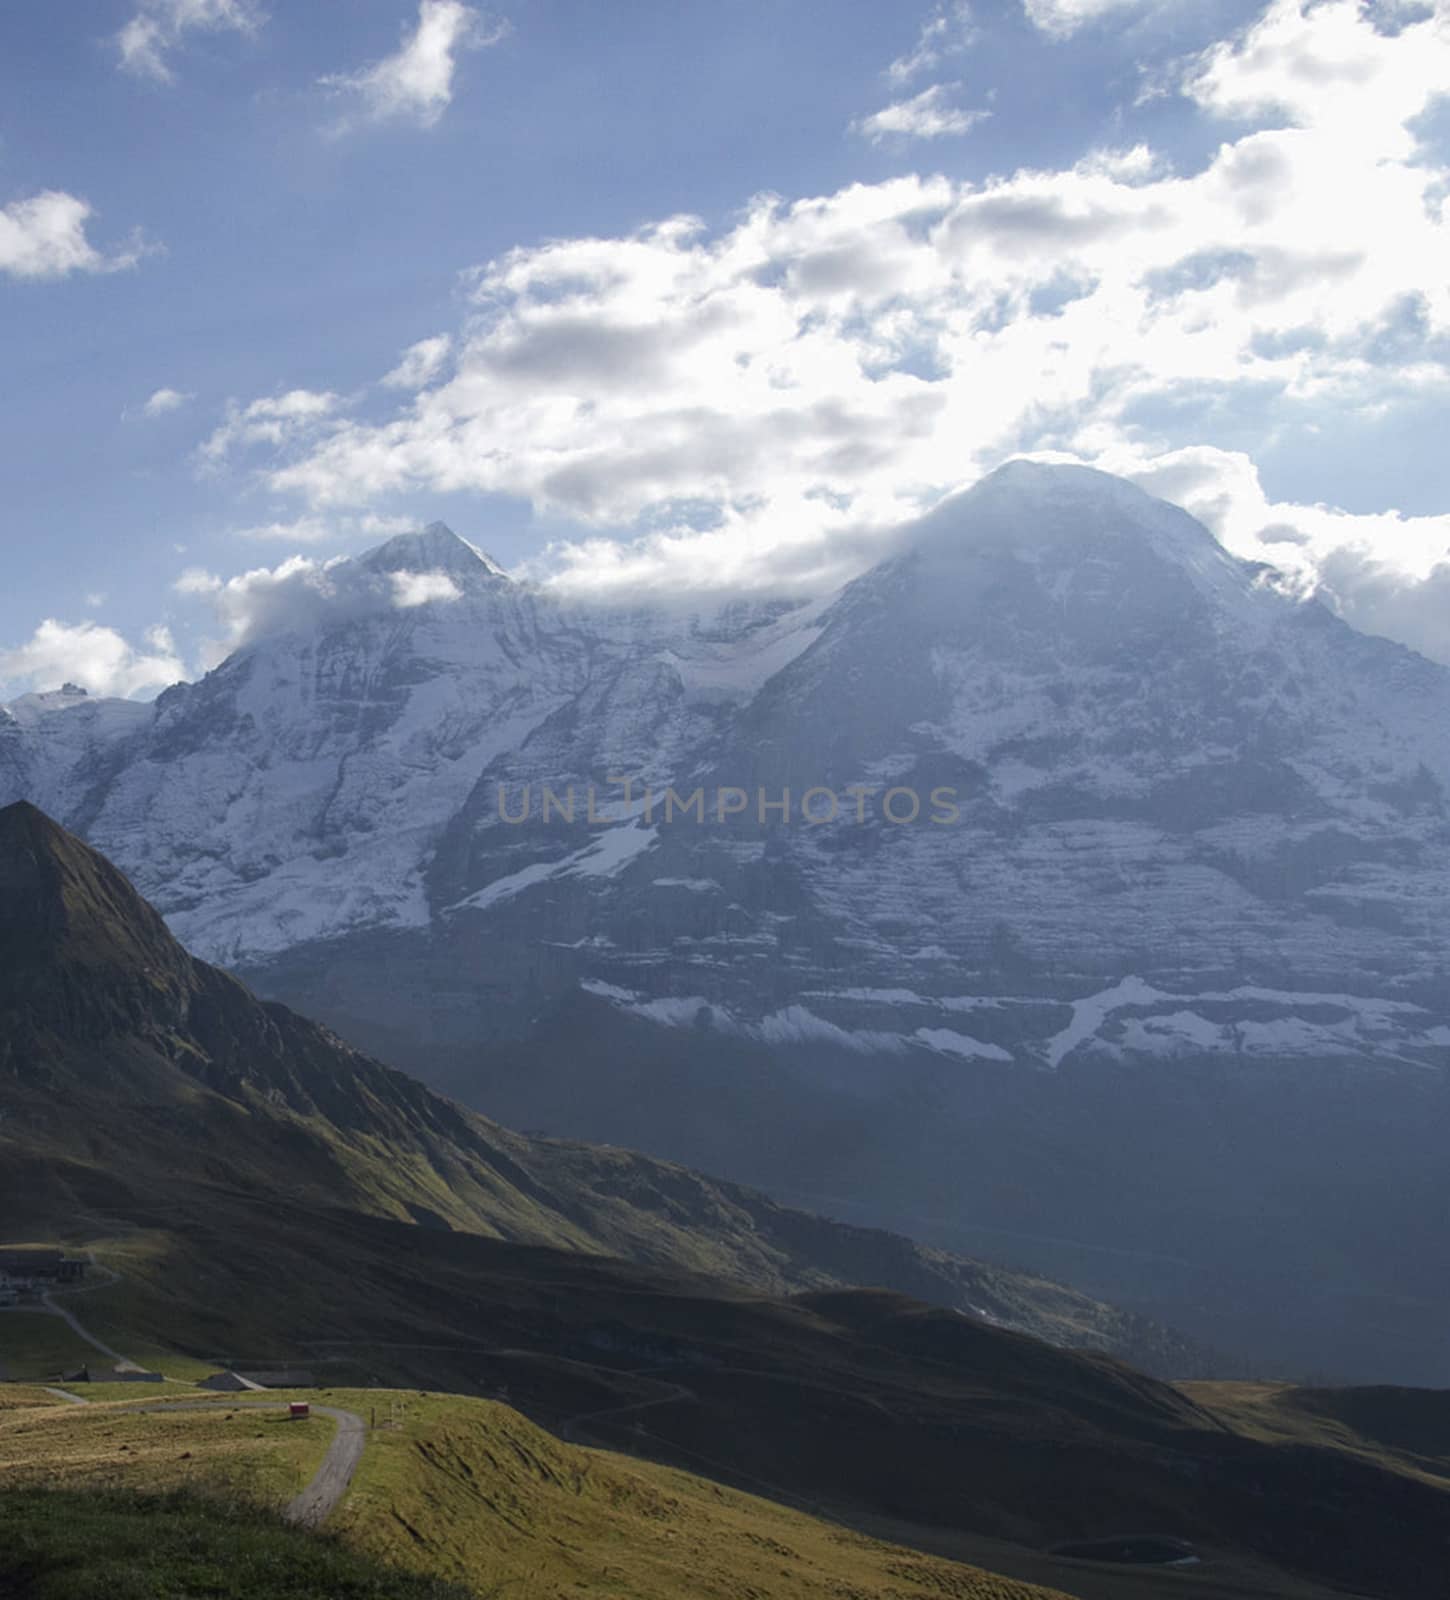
[[96, 658], [414, 589], [304, 593], [1385, 573], [759, 405]]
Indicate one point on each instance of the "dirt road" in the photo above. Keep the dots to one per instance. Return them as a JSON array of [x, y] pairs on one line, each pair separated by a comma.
[[673, 1393], [330, 1483]]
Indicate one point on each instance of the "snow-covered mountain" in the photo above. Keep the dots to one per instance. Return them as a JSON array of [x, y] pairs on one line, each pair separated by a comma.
[[298, 793], [1181, 849]]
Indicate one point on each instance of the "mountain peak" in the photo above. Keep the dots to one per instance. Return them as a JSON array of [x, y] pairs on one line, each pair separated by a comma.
[[62, 902], [435, 548], [1023, 469], [1023, 483], [1063, 519]]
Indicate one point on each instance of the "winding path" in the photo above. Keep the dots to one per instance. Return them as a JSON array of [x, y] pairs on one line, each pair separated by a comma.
[[333, 1478], [675, 1391], [123, 1363]]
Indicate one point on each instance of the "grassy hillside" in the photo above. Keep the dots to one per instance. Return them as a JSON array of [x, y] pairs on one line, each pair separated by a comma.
[[470, 1492], [464, 1490], [469, 1488], [1401, 1430], [879, 1412], [116, 1545]]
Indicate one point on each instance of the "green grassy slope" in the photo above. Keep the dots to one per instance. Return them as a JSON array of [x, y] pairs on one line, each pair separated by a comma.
[[462, 1490], [472, 1491], [116, 1545], [468, 1488]]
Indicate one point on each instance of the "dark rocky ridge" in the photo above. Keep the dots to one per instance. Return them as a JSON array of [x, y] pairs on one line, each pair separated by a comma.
[[162, 1070]]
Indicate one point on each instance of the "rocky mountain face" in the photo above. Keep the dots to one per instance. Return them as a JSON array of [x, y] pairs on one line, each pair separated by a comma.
[[1114, 939]]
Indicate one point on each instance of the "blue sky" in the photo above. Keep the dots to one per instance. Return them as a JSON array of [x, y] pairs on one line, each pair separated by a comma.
[[699, 295]]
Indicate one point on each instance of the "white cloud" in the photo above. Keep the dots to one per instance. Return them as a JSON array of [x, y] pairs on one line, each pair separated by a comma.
[[273, 420], [421, 363], [375, 526], [758, 406], [947, 31], [416, 83], [1060, 18], [319, 530], [160, 26], [1384, 572], [197, 580], [300, 592], [925, 116], [299, 530], [99, 659], [44, 236], [411, 589], [164, 400], [1325, 67], [293, 594]]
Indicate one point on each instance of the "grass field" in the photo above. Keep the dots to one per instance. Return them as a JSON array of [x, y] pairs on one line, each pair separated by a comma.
[[104, 1545], [239, 1455], [96, 1392]]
